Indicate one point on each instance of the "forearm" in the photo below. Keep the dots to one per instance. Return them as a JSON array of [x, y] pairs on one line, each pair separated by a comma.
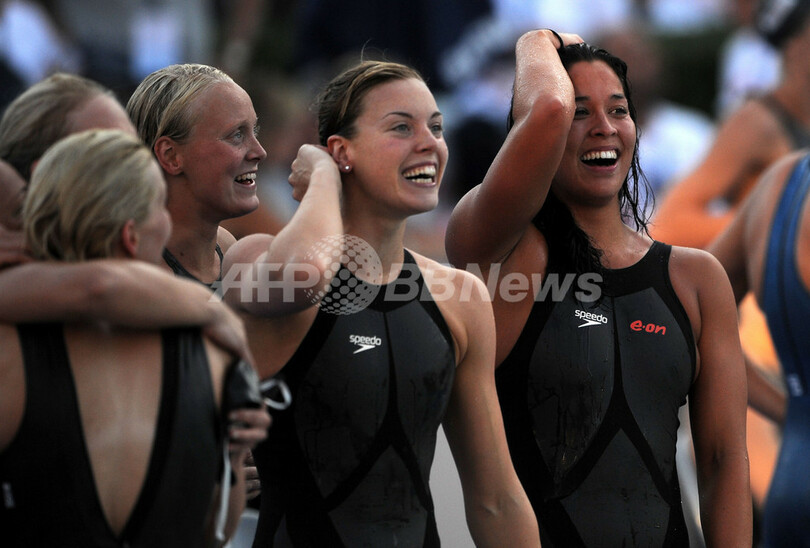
[[509, 521], [318, 217], [488, 221], [763, 396], [125, 292], [294, 267], [238, 494], [689, 227], [725, 502]]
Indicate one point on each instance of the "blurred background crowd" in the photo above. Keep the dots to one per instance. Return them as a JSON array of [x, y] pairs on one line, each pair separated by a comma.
[[691, 62]]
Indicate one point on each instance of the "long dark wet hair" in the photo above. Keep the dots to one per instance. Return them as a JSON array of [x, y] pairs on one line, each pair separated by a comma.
[[570, 248]]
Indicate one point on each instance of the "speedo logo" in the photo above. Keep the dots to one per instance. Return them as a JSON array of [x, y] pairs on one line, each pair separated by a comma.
[[590, 319], [364, 343]]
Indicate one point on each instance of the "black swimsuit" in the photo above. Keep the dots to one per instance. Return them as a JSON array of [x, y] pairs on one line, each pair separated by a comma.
[[348, 463], [46, 476], [180, 270], [590, 398]]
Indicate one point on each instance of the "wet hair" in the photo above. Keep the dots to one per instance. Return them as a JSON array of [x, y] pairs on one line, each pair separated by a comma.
[[40, 116], [85, 189], [567, 242], [162, 104], [780, 20], [341, 101]]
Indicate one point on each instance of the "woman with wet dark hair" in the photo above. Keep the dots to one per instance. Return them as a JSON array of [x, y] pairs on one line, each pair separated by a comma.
[[602, 333]]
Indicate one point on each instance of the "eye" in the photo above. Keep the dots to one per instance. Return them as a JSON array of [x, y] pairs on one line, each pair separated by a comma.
[[437, 129], [621, 110], [580, 112], [402, 128]]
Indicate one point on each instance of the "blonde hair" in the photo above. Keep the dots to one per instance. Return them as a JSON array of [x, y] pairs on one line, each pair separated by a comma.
[[39, 117], [84, 190], [162, 104]]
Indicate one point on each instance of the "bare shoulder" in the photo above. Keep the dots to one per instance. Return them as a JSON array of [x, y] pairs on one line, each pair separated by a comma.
[[700, 282], [450, 284], [697, 267], [464, 303], [225, 239], [247, 249]]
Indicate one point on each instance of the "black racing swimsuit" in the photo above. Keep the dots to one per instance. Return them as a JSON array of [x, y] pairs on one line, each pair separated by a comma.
[[180, 270], [590, 398], [348, 463], [49, 494]]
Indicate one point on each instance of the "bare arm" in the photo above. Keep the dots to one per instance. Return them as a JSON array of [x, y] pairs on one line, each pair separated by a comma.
[[288, 261], [123, 292], [12, 248], [742, 148], [489, 220], [744, 242], [718, 403], [497, 508]]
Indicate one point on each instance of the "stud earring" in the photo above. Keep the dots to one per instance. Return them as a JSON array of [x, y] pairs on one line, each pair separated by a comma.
[[347, 168]]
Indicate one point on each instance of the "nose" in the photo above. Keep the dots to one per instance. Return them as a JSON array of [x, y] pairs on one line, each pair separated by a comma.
[[603, 125], [256, 150], [427, 139]]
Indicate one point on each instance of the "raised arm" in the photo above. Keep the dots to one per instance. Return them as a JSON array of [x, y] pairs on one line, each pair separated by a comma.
[[717, 405], [743, 147], [488, 222], [497, 508], [287, 267]]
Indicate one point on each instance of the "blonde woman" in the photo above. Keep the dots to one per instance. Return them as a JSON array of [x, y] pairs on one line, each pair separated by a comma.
[[90, 443], [131, 294], [202, 128]]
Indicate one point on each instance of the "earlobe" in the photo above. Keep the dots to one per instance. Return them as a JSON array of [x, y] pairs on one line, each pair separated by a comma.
[[129, 239], [168, 156]]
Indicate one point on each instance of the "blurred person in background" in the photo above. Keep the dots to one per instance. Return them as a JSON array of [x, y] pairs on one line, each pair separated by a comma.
[[766, 251]]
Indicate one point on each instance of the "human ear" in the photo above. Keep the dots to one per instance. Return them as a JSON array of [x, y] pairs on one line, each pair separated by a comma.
[[167, 154], [339, 149], [129, 238]]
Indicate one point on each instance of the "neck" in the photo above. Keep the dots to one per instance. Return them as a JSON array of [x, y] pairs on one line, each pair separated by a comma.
[[620, 244], [194, 246], [387, 240]]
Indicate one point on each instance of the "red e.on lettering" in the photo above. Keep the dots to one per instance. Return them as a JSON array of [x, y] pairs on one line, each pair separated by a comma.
[[638, 325]]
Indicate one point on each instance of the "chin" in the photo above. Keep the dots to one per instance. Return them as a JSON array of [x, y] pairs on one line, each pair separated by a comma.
[[243, 207]]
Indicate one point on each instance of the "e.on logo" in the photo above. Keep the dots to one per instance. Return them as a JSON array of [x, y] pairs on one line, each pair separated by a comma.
[[638, 325]]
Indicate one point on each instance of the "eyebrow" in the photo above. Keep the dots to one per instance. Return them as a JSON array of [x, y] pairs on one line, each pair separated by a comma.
[[409, 115], [615, 97]]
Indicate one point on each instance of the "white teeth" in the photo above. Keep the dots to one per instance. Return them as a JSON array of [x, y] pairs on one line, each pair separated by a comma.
[[421, 172], [600, 155], [246, 177]]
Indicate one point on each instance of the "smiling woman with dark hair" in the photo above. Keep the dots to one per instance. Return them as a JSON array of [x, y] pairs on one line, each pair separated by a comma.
[[385, 347], [590, 382]]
